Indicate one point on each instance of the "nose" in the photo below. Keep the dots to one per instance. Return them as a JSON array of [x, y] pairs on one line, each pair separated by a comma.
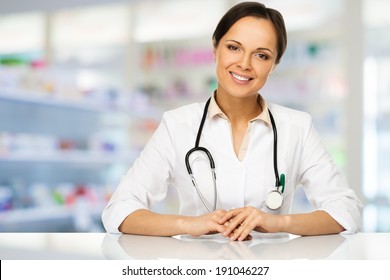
[[245, 62]]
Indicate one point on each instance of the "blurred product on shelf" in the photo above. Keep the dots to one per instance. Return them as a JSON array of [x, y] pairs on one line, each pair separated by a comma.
[[27, 143], [36, 80], [43, 196], [81, 203], [172, 56], [59, 131], [5, 198]]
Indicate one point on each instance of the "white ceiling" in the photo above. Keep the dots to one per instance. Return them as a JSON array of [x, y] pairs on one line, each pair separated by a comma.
[[15, 6], [375, 12]]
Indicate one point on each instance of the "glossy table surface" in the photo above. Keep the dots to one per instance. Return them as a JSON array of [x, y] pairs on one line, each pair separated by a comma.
[[361, 246]]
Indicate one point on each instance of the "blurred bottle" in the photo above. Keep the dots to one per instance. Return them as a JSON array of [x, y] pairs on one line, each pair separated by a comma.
[[82, 216], [5, 198]]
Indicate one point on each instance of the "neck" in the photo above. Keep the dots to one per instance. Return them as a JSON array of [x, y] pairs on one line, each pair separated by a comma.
[[239, 109]]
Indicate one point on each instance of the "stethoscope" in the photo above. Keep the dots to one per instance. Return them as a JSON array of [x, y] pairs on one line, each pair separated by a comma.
[[274, 199]]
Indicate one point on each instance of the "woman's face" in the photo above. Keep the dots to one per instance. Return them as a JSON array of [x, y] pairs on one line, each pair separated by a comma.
[[245, 57]]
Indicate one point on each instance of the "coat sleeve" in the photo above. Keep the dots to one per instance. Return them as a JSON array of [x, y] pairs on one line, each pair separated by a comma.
[[145, 183], [324, 184]]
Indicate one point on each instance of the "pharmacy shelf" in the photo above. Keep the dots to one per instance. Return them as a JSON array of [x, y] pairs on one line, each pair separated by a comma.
[[76, 157], [153, 111], [22, 219], [45, 99]]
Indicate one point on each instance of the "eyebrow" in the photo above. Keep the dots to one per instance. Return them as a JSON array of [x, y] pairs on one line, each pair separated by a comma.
[[258, 49]]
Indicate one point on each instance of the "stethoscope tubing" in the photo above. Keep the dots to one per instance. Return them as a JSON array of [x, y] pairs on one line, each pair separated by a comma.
[[203, 149], [277, 183]]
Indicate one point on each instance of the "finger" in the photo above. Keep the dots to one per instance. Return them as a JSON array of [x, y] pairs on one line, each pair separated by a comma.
[[221, 228], [246, 228], [244, 234], [235, 234], [212, 223], [227, 216], [220, 212], [241, 234], [242, 230], [248, 238], [234, 224], [230, 215]]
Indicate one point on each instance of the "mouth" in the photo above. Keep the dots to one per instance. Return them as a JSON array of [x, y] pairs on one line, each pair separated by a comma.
[[241, 79]]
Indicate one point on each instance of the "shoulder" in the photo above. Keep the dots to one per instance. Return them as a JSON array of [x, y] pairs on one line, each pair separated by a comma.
[[184, 114], [289, 116]]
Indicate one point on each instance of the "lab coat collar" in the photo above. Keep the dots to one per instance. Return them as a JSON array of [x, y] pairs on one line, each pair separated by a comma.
[[215, 110]]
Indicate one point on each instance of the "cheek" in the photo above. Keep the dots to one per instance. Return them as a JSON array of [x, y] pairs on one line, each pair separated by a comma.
[[221, 65], [225, 59], [264, 70]]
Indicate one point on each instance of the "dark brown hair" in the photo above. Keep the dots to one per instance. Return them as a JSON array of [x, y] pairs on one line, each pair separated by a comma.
[[253, 9]]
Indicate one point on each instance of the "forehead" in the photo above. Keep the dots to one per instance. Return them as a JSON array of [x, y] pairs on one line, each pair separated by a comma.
[[253, 31]]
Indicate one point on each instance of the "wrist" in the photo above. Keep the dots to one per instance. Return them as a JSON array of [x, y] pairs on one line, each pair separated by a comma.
[[182, 224], [284, 223]]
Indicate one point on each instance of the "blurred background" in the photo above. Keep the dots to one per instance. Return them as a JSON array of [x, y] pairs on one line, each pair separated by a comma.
[[83, 84]]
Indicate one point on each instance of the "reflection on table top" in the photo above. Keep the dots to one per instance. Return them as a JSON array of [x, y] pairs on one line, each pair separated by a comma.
[[263, 246]]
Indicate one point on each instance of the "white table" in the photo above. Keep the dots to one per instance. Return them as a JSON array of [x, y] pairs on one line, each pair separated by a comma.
[[361, 246]]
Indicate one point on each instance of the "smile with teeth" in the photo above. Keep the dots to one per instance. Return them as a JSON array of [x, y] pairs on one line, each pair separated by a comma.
[[240, 78]]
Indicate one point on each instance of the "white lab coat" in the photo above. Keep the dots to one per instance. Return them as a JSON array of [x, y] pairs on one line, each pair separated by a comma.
[[301, 157]]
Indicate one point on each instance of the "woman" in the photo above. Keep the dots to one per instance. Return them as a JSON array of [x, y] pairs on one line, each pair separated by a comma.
[[251, 148]]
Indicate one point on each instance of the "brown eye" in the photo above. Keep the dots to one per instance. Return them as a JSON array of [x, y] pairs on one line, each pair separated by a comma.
[[262, 56], [232, 48]]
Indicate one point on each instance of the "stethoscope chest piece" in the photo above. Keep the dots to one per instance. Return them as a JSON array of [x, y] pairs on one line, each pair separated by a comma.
[[274, 200]]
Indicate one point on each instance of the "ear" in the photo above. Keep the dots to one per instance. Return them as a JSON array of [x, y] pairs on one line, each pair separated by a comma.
[[214, 50]]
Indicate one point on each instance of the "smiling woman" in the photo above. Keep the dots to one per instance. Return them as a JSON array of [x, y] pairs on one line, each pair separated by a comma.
[[247, 143], [245, 57]]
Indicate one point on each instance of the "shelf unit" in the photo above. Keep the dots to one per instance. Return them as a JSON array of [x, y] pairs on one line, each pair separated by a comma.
[[72, 157], [52, 218], [39, 98], [21, 169]]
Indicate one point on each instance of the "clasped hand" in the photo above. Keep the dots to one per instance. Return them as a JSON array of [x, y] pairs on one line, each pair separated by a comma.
[[235, 224]]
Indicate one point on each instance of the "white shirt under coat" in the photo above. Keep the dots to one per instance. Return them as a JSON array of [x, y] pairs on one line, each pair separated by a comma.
[[301, 157]]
